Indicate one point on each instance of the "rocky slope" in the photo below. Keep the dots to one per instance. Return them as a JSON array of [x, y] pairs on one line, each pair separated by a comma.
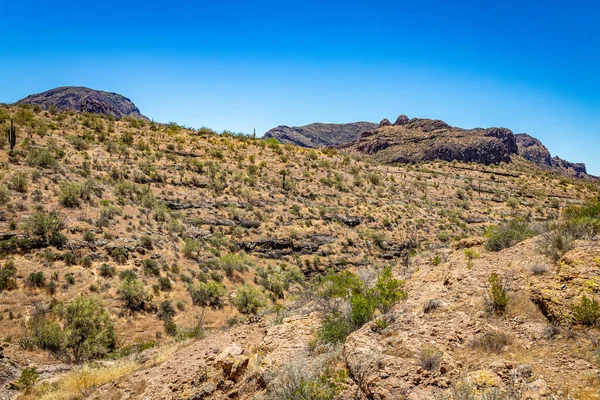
[[124, 210], [319, 135], [83, 99], [533, 150], [416, 140]]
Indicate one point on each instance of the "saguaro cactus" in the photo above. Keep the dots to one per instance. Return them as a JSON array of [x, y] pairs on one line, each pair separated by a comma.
[[11, 134]]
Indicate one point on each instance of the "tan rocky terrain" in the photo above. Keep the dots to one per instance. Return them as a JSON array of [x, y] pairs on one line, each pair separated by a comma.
[[222, 266]]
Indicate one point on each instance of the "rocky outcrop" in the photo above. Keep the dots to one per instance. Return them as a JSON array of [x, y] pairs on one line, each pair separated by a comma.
[[319, 135], [533, 150], [83, 99], [415, 140]]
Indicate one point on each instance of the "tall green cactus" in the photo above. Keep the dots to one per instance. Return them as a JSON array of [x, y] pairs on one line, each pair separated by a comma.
[[11, 134]]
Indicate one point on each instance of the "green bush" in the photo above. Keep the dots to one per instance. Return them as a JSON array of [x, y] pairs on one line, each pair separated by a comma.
[[41, 157], [8, 276], [508, 234], [165, 310], [362, 311], [70, 194], [497, 298], [335, 329], [586, 312], [107, 271], [43, 225], [151, 267], [36, 279], [133, 294], [388, 291], [233, 262], [19, 182], [87, 327], [27, 380], [190, 247], [248, 299], [207, 294]]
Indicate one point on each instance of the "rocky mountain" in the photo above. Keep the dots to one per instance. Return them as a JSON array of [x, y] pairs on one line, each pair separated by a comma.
[[320, 135], [532, 149], [417, 139], [83, 99]]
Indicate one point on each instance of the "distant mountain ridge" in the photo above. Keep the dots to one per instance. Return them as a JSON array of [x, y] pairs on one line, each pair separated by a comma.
[[419, 139], [532, 149], [83, 99], [319, 134]]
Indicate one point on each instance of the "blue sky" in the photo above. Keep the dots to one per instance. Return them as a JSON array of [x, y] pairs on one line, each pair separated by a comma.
[[529, 66]]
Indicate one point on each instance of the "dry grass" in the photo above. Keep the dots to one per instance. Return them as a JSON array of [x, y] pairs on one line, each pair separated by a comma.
[[81, 382]]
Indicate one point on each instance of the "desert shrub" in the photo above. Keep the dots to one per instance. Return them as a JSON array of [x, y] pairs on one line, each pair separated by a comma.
[[27, 380], [342, 285], [335, 329], [362, 302], [19, 182], [164, 284], [431, 305], [7, 276], [493, 341], [508, 234], [134, 296], [165, 310], [128, 275], [87, 327], [430, 358], [44, 330], [233, 262], [362, 310], [497, 296], [585, 219], [190, 247], [586, 312], [537, 268], [89, 236], [558, 240], [207, 294], [43, 225], [248, 299], [388, 291], [151, 267], [170, 327], [302, 382], [471, 254], [70, 194], [70, 279], [36, 279], [119, 254], [4, 194], [41, 157]]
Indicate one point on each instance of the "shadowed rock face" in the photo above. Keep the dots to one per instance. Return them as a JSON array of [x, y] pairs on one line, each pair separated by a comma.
[[533, 150], [419, 139], [319, 135], [83, 99]]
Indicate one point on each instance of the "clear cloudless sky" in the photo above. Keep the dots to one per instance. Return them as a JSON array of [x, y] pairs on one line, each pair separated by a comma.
[[531, 66]]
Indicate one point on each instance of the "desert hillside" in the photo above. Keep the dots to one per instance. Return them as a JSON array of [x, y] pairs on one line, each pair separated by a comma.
[[145, 260]]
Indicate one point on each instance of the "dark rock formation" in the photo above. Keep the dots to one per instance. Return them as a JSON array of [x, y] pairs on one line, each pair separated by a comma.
[[277, 248], [533, 150], [426, 140], [402, 120], [385, 122], [319, 135], [83, 99]]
